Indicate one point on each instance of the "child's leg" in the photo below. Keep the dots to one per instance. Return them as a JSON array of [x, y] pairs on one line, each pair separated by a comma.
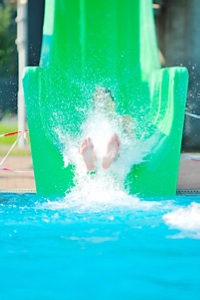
[[87, 151], [112, 151]]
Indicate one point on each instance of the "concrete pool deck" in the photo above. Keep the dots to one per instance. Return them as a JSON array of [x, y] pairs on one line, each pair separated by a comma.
[[189, 175]]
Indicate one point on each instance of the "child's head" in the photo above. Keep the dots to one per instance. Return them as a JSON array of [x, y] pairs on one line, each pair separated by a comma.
[[104, 99]]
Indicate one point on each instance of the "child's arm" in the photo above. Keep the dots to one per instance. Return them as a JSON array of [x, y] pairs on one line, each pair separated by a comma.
[[127, 124]]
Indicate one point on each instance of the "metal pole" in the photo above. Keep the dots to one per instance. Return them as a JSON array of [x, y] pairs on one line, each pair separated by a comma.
[[22, 62]]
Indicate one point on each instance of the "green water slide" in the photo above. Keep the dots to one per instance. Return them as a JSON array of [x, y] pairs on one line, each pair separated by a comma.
[[112, 44]]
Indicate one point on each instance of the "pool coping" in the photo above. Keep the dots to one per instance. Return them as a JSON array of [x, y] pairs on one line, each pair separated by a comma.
[[188, 192], [179, 192], [18, 191]]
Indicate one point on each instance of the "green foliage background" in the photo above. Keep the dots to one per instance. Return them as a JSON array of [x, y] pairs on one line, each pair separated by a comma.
[[8, 32]]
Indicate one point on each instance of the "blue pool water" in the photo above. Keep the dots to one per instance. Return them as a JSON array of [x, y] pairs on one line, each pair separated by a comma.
[[119, 248]]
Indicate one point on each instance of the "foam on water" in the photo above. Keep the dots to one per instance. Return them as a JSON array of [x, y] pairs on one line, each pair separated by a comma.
[[186, 219], [97, 199], [112, 203]]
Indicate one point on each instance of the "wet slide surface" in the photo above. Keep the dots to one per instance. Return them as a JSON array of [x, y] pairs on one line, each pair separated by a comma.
[[110, 44]]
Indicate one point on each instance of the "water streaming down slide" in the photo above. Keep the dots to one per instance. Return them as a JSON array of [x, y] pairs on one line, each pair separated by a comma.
[[112, 44]]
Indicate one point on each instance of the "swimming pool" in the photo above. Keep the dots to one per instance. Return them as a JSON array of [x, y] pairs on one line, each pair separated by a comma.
[[118, 248]]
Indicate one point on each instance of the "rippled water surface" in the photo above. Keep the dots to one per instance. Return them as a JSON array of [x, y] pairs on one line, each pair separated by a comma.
[[107, 245]]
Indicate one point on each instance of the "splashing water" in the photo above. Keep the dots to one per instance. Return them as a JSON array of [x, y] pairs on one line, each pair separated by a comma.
[[186, 219], [100, 127], [103, 189]]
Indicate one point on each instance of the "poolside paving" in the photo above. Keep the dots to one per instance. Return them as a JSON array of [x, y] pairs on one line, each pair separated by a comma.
[[17, 181], [189, 175]]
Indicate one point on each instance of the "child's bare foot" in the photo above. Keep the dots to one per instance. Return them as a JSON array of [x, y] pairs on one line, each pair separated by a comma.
[[87, 151], [112, 151]]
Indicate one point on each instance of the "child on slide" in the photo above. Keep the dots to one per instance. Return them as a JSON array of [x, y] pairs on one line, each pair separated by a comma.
[[104, 99]]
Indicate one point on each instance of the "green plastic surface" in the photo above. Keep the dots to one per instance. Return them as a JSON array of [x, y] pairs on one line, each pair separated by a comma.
[[110, 43]]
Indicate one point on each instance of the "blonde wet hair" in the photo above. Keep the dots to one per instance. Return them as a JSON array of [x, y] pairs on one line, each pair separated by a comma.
[[104, 99]]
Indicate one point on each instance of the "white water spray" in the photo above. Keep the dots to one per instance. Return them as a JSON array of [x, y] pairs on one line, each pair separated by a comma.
[[103, 186], [186, 219]]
